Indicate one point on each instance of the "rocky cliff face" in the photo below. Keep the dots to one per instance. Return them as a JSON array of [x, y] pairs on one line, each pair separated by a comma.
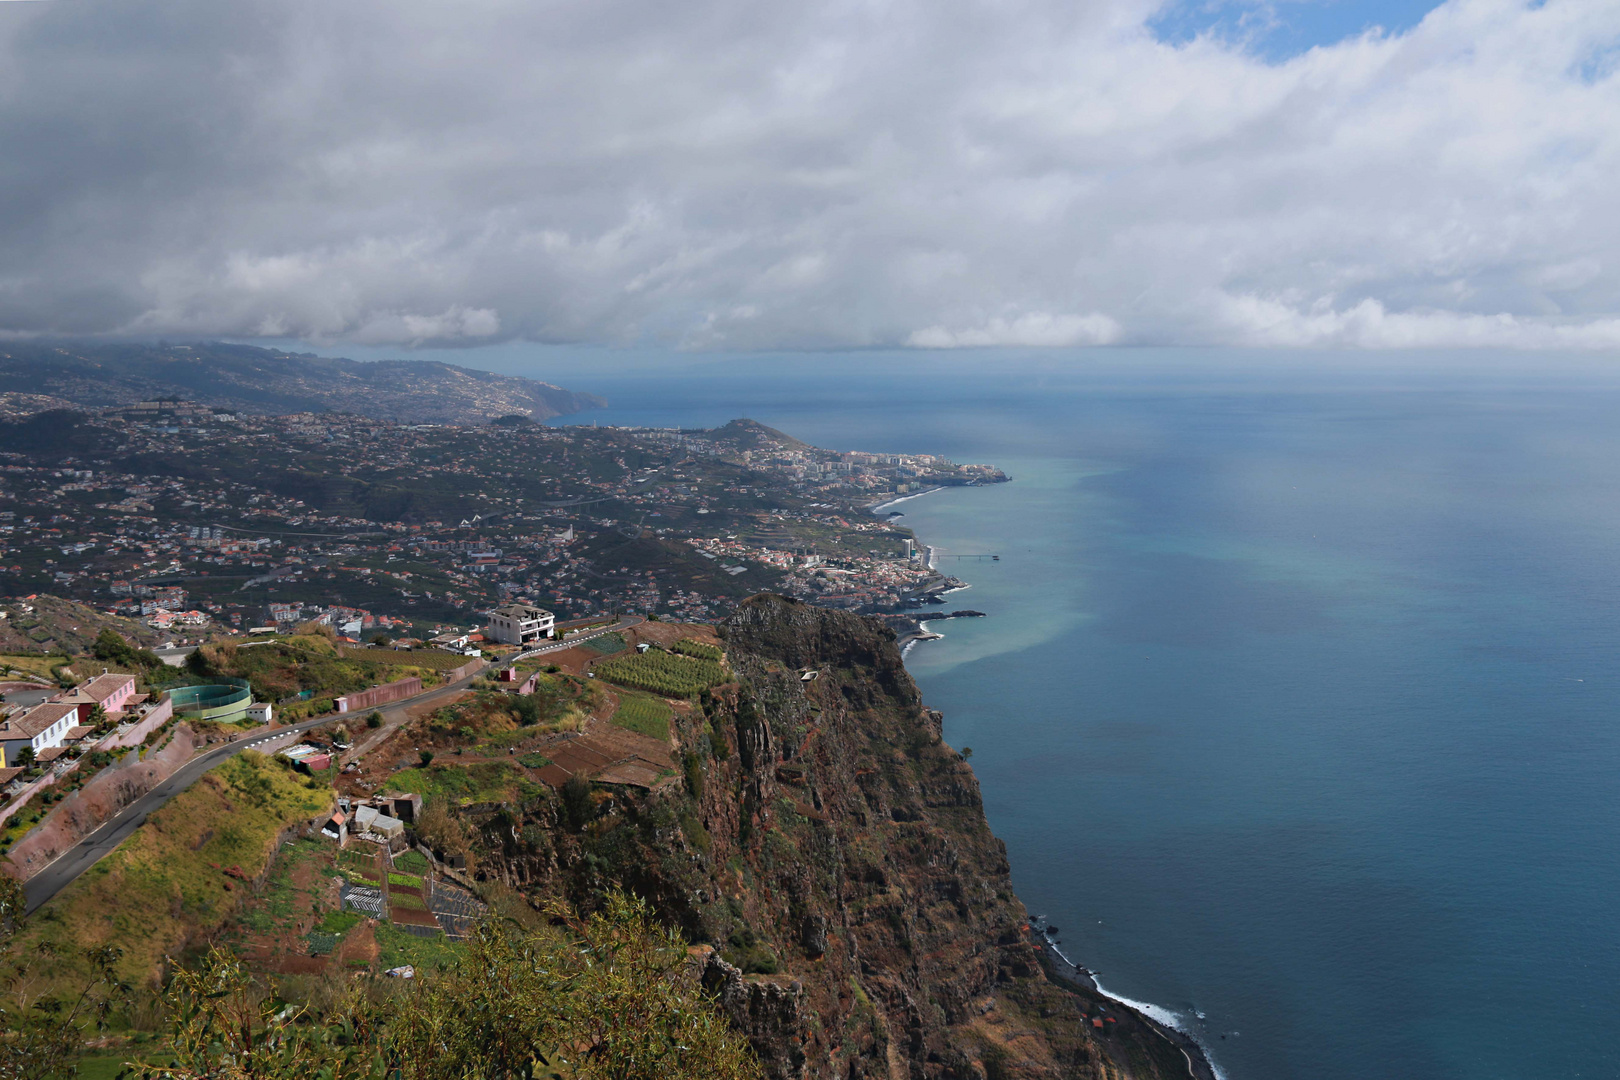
[[832, 853]]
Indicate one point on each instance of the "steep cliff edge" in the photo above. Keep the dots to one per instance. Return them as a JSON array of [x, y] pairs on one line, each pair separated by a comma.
[[833, 853]]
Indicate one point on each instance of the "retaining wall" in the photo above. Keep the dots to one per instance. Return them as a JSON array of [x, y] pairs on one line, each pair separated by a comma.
[[87, 809], [136, 735], [379, 695]]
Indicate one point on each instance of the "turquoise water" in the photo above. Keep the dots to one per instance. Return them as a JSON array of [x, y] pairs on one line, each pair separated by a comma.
[[1296, 704]]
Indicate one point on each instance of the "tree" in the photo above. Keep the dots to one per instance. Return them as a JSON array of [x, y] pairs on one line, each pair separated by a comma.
[[426, 757], [576, 802], [375, 720], [609, 997], [43, 1039], [382, 640], [25, 757]]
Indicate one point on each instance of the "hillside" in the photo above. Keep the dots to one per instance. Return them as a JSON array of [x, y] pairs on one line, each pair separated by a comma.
[[55, 625], [832, 852], [267, 381]]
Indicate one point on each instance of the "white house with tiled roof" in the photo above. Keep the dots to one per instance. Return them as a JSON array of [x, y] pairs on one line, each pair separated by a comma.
[[41, 728]]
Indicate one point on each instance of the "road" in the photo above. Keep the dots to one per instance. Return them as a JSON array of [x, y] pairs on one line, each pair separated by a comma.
[[67, 866], [58, 874]]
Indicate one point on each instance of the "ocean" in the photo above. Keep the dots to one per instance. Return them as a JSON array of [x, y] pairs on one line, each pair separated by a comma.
[[1298, 700]]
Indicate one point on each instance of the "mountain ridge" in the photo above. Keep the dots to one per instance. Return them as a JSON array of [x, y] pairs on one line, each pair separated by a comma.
[[35, 376]]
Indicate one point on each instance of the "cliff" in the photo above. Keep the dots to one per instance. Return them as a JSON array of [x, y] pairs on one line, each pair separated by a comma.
[[832, 853]]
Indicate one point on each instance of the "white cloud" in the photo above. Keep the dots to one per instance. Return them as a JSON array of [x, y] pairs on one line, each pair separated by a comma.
[[933, 173], [1036, 329]]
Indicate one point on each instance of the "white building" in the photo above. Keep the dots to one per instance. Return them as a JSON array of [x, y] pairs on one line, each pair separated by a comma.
[[40, 728], [520, 624]]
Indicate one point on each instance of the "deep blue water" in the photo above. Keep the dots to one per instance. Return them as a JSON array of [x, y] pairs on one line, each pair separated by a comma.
[[1298, 705]]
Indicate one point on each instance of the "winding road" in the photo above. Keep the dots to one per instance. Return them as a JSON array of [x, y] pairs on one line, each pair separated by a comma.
[[66, 867]]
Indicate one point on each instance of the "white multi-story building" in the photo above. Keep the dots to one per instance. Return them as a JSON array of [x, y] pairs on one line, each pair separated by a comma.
[[520, 624]]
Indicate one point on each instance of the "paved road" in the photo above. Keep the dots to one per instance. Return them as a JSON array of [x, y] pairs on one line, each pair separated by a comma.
[[579, 639], [57, 875]]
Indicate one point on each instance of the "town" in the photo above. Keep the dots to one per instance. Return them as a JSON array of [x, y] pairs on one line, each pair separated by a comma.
[[200, 521]]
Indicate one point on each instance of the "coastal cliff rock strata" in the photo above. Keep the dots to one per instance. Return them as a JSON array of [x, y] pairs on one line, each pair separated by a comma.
[[833, 853]]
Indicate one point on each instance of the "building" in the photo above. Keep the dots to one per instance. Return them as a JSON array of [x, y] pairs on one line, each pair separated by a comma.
[[370, 819], [520, 624], [111, 692], [261, 712], [40, 728]]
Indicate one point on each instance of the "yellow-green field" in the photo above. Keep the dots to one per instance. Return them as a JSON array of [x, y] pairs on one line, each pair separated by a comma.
[[165, 885]]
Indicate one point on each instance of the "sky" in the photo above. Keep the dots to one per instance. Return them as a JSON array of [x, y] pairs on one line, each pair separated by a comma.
[[723, 175]]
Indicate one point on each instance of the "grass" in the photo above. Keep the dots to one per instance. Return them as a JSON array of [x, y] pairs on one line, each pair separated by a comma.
[[407, 900], [40, 665], [412, 862], [339, 922], [161, 887], [422, 658], [534, 761], [396, 947], [644, 715], [485, 781]]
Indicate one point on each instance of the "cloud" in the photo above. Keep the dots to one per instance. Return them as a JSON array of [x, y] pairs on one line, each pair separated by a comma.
[[1032, 329], [848, 173]]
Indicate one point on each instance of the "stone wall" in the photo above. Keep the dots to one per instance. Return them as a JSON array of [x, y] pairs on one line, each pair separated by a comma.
[[93, 805]]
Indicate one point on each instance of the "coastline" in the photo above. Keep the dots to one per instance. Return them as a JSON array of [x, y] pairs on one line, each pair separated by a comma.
[[880, 507], [1062, 971], [1083, 982]]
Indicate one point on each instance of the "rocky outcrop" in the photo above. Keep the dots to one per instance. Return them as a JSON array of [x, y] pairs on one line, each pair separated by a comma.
[[833, 851]]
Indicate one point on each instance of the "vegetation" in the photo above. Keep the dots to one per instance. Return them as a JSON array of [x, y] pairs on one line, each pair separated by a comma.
[[285, 667], [694, 647], [165, 884], [668, 674], [433, 659], [644, 715], [606, 645], [44, 1032], [484, 781], [412, 862], [609, 997], [111, 647]]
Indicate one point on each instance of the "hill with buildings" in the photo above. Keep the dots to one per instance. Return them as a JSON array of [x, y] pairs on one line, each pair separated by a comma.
[[270, 382]]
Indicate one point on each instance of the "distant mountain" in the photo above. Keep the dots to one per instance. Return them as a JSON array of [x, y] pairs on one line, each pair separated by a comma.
[[268, 381]]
